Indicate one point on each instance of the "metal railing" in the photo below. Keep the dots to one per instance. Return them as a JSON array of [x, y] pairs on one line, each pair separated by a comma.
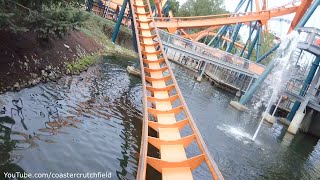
[[299, 88], [210, 52]]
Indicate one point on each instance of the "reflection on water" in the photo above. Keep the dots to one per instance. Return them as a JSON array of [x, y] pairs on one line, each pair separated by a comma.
[[86, 123], [92, 123], [227, 132]]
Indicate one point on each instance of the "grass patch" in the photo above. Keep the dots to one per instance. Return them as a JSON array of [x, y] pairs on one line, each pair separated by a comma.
[[82, 63], [100, 29]]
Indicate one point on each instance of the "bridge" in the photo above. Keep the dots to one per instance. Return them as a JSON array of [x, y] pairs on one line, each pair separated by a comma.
[[232, 71], [164, 108]]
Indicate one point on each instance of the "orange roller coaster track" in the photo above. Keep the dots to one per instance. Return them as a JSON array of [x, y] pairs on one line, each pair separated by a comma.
[[160, 92]]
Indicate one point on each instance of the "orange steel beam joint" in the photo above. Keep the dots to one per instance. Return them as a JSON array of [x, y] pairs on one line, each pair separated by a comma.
[[299, 13]]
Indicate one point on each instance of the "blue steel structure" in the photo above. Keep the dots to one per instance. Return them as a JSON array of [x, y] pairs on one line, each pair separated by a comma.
[[118, 24], [247, 96], [256, 43], [117, 27], [251, 30]]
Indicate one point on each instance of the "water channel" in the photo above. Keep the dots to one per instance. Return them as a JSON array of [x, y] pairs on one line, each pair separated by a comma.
[[92, 123]]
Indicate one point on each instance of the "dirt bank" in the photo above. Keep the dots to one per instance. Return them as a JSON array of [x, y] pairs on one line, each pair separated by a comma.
[[25, 62], [23, 58]]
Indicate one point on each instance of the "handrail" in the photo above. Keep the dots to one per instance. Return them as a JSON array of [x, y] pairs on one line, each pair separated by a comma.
[[210, 50], [142, 165]]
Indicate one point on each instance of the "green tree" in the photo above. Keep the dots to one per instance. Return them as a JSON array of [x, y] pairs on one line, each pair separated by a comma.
[[266, 45], [174, 6], [46, 17], [201, 8]]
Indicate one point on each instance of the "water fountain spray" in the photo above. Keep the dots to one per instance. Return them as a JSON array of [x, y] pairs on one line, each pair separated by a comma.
[[281, 74]]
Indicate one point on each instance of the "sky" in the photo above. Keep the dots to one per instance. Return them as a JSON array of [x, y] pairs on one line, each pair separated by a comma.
[[278, 28]]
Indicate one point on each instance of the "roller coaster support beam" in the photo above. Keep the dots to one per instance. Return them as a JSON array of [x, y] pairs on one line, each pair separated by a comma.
[[253, 43], [117, 27], [211, 41], [259, 43], [234, 37], [249, 38], [306, 84], [223, 29], [315, 63], [247, 96], [308, 14], [133, 30], [300, 13], [275, 47], [236, 32]]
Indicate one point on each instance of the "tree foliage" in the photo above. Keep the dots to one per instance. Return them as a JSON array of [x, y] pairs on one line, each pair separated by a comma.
[[266, 45], [47, 18], [201, 8], [174, 6]]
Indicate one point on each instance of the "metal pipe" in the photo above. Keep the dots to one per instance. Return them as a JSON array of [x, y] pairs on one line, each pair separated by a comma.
[[117, 27], [275, 109]]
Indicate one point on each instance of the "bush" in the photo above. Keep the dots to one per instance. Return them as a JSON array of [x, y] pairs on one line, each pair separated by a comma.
[[48, 18]]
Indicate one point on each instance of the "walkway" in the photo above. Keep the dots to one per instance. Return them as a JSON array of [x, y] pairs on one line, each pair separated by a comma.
[[211, 55], [293, 91]]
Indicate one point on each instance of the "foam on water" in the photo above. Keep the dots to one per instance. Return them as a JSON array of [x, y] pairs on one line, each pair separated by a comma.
[[235, 132]]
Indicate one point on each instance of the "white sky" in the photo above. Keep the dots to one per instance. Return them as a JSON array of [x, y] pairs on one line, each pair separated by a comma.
[[279, 28]]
